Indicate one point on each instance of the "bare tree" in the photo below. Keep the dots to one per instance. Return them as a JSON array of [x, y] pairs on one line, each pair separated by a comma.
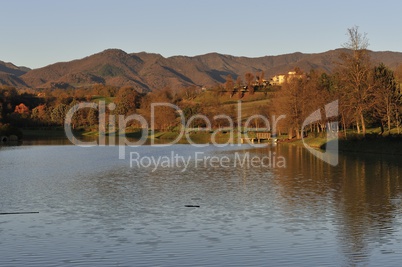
[[398, 113], [355, 74], [386, 95]]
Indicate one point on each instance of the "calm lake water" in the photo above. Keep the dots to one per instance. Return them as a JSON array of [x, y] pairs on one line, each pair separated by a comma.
[[97, 210]]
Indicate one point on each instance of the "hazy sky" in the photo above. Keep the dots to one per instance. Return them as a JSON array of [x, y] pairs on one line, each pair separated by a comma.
[[41, 32]]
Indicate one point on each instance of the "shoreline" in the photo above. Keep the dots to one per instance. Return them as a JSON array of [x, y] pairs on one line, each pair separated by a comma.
[[367, 145], [371, 144]]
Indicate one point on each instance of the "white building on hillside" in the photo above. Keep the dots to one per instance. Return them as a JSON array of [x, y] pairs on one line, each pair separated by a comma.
[[281, 78]]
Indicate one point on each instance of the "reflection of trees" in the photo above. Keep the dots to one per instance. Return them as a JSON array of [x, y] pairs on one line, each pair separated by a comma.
[[368, 185], [356, 196]]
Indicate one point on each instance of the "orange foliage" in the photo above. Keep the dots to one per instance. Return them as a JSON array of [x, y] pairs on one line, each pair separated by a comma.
[[21, 109]]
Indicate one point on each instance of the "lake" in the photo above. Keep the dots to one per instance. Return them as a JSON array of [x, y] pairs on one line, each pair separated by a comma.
[[98, 210]]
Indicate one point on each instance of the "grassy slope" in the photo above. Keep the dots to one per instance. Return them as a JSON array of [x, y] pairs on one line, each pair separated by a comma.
[[373, 144], [249, 103]]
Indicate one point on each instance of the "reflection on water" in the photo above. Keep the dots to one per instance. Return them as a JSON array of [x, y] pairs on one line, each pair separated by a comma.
[[105, 140], [96, 210], [362, 195]]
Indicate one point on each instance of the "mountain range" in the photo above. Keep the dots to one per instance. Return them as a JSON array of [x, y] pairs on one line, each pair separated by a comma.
[[147, 71], [10, 74]]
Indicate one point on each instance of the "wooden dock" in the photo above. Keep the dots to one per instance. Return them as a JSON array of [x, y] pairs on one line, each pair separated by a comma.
[[259, 137]]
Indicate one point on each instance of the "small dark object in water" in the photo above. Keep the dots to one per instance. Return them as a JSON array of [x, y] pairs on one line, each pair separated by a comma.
[[192, 206], [16, 213]]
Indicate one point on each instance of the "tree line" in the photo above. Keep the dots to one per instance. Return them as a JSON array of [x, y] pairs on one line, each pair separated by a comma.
[[369, 95]]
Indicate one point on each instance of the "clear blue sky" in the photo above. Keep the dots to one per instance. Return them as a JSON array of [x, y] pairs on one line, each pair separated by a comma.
[[41, 32]]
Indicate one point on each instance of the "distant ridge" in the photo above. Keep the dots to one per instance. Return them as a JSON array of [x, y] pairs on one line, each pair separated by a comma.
[[148, 72], [9, 74]]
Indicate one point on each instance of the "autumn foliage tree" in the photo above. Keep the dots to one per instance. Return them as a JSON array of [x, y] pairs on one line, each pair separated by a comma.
[[249, 77], [164, 117], [238, 87], [40, 114], [127, 101], [291, 101], [229, 84], [298, 98]]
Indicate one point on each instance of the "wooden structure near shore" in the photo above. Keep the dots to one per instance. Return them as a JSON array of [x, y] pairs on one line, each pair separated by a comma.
[[260, 136]]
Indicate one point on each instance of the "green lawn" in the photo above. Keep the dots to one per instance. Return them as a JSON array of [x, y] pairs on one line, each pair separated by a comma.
[[97, 98]]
